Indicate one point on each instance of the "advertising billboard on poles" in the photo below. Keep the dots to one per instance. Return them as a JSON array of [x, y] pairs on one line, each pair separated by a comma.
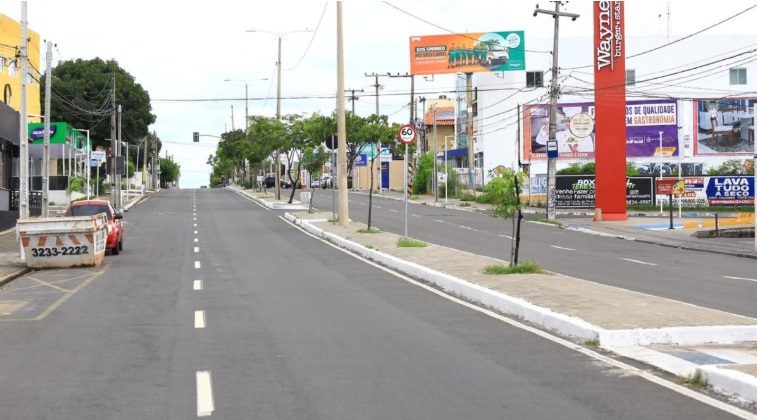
[[467, 53], [577, 139]]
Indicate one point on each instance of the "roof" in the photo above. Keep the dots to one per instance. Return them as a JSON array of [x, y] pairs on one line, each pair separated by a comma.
[[445, 115]]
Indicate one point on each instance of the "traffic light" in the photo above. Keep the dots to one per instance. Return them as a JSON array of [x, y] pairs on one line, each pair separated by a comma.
[[196, 137]]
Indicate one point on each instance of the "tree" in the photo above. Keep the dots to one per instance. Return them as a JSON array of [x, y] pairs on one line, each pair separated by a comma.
[[169, 172], [732, 167], [374, 130], [504, 190], [313, 159], [82, 97]]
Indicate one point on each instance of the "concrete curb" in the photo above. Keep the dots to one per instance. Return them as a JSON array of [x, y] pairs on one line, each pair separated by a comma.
[[13, 275], [730, 381], [272, 205]]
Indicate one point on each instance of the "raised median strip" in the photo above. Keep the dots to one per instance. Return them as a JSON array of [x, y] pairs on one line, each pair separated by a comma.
[[572, 307]]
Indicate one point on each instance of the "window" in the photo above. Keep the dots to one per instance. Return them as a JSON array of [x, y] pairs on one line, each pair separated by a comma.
[[535, 78], [2, 64], [738, 76], [12, 68], [630, 77]]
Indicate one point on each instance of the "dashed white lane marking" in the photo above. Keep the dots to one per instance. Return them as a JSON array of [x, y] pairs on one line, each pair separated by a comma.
[[197, 264], [740, 278], [469, 228], [439, 221], [376, 207], [194, 214], [205, 404], [199, 319], [197, 249], [638, 262], [195, 232], [562, 247], [197, 285], [362, 204], [505, 236], [415, 215], [195, 224], [394, 211], [195, 219], [197, 240]]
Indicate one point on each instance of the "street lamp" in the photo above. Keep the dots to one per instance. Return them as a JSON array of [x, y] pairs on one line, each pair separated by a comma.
[[278, 35], [246, 100]]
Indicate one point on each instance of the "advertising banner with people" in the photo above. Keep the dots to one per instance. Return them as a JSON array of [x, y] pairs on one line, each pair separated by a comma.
[[575, 135], [467, 53]]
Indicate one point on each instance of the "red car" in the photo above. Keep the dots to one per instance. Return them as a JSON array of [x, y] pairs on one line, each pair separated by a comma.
[[115, 240]]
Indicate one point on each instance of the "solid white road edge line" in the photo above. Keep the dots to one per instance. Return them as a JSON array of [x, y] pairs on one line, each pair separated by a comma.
[[638, 262], [197, 285], [205, 404], [558, 340], [199, 319]]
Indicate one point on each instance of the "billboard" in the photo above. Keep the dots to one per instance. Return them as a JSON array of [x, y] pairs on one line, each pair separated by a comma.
[[724, 126], [577, 138], [579, 191], [467, 53]]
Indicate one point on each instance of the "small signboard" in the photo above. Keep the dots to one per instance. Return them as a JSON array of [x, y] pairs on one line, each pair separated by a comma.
[[97, 154], [670, 186], [94, 163], [552, 149]]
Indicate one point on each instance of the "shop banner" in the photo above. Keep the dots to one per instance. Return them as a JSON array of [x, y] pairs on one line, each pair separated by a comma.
[[579, 191], [730, 191], [467, 53]]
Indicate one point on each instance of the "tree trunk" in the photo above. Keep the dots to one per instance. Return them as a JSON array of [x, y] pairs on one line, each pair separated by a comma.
[[294, 183], [517, 225], [370, 195]]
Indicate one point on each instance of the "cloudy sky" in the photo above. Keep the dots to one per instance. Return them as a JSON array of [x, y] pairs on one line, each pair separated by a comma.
[[182, 52]]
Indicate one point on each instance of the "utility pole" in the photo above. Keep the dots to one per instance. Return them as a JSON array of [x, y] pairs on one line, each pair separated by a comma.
[[23, 164], [554, 92], [118, 158], [46, 141], [435, 182], [113, 140], [423, 140], [378, 86], [353, 98], [344, 216]]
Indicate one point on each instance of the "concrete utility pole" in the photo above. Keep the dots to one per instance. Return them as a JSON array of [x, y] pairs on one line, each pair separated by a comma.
[[46, 141], [378, 86], [353, 97], [554, 92], [118, 157], [113, 155], [434, 182], [23, 167], [341, 158]]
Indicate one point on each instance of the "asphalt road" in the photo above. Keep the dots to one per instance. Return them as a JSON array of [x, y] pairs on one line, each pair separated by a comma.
[[244, 316], [694, 277]]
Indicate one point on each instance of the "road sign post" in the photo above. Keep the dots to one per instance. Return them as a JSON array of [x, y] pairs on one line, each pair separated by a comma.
[[407, 135]]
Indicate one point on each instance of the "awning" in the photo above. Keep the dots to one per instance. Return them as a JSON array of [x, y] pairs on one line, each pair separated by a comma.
[[454, 153]]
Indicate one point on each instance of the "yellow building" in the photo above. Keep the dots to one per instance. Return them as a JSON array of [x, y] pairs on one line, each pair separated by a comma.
[[10, 68]]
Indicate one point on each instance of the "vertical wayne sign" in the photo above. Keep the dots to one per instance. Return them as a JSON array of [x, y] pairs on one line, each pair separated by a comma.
[[610, 112]]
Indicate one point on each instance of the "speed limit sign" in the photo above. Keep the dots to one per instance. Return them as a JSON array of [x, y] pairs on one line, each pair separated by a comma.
[[407, 134]]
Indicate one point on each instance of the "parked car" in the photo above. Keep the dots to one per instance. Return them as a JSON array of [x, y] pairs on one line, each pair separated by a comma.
[[115, 229], [315, 182], [270, 182], [327, 182]]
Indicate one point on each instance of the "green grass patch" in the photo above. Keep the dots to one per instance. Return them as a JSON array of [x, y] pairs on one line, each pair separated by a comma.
[[464, 204], [466, 197], [410, 243], [370, 247], [695, 380], [592, 343], [527, 267], [372, 230]]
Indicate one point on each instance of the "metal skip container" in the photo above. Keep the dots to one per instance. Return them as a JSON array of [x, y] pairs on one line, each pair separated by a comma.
[[62, 242]]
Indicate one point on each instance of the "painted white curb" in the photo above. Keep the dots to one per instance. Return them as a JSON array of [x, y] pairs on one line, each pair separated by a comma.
[[731, 381]]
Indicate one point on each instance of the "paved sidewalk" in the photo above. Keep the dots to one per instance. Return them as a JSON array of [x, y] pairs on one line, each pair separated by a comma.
[[674, 336]]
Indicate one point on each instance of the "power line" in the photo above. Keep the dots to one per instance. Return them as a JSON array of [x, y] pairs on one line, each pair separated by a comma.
[[311, 39]]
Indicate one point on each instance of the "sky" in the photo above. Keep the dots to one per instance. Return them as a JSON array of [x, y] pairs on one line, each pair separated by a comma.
[[183, 57]]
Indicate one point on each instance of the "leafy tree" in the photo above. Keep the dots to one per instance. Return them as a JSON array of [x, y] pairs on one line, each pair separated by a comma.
[[82, 97], [313, 159], [631, 169], [169, 172], [424, 171], [732, 167], [376, 130], [504, 191]]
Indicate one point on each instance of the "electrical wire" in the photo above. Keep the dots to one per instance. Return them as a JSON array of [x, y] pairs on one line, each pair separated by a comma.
[[315, 32]]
